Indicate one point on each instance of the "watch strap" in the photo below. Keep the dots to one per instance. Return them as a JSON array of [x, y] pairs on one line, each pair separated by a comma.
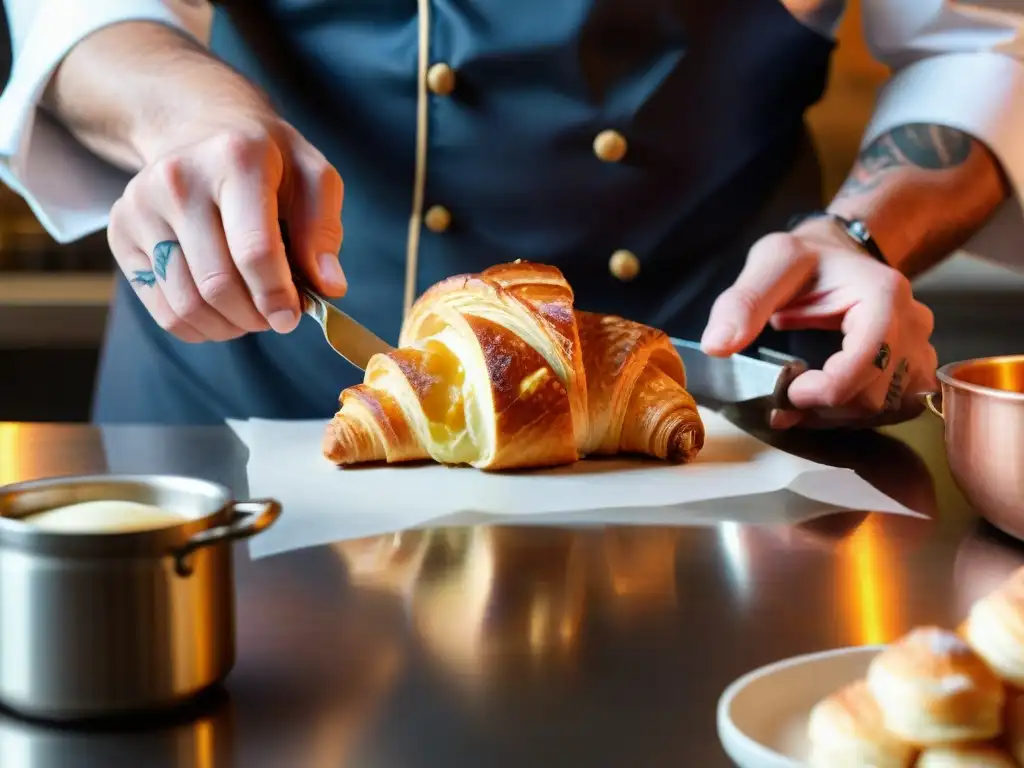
[[855, 229]]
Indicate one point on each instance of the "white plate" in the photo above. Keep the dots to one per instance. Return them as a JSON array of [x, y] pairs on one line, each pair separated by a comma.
[[762, 717]]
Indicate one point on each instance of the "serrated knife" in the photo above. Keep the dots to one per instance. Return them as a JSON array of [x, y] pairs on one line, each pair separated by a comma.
[[739, 378]]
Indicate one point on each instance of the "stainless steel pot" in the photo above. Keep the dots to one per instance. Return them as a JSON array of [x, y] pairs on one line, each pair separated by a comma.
[[99, 624], [192, 737]]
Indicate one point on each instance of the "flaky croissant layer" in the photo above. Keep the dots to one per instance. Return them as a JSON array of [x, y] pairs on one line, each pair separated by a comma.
[[497, 370]]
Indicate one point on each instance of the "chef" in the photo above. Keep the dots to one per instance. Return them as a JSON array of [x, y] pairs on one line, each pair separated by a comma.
[[655, 151]]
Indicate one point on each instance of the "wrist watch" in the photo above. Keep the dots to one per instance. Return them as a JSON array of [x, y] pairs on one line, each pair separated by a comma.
[[855, 229]]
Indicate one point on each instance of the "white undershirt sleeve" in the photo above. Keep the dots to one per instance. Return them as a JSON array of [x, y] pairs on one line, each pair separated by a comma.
[[958, 64], [69, 189]]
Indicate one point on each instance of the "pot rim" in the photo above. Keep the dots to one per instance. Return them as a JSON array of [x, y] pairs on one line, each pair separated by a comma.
[[945, 377], [16, 533]]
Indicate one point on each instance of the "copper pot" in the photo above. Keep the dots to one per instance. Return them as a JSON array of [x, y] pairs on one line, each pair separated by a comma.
[[982, 405]]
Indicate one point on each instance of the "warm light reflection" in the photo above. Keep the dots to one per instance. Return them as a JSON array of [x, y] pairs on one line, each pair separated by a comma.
[[391, 562], [331, 738], [507, 596], [1002, 373], [641, 564], [482, 600], [205, 752], [449, 605], [867, 585], [736, 556], [11, 470]]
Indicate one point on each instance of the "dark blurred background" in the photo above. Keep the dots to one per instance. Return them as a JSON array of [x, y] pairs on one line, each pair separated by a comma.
[[53, 298]]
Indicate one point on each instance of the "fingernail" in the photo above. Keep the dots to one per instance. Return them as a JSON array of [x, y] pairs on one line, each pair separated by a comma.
[[283, 321], [331, 272], [718, 336]]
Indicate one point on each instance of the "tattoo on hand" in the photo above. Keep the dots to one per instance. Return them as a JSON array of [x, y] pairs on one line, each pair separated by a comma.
[[930, 147], [144, 277], [162, 252]]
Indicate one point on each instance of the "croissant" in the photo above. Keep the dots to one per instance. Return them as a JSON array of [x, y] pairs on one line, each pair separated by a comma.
[[498, 371]]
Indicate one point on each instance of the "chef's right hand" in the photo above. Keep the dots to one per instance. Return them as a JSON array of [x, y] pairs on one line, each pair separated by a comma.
[[197, 235]]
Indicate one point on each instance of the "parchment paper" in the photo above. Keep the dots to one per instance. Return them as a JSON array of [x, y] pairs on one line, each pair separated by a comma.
[[323, 503]]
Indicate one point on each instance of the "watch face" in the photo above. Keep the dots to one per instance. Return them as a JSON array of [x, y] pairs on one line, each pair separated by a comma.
[[858, 231]]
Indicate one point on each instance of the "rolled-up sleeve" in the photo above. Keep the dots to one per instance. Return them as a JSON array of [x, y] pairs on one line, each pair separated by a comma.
[[959, 65], [69, 189]]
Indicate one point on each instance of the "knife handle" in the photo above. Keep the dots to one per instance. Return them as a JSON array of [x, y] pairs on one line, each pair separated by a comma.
[[790, 370], [310, 302]]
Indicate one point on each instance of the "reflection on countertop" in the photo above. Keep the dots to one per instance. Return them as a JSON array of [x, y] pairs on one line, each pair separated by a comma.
[[200, 736], [491, 605], [532, 646], [477, 598]]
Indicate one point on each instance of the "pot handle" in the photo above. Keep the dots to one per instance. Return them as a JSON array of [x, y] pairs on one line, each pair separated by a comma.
[[250, 518], [929, 401]]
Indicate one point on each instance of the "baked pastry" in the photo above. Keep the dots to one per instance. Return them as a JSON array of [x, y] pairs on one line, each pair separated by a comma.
[[1013, 725], [845, 730], [933, 689], [965, 756], [497, 370], [995, 629]]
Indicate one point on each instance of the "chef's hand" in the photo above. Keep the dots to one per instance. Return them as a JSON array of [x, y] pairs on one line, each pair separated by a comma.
[[197, 234], [816, 278]]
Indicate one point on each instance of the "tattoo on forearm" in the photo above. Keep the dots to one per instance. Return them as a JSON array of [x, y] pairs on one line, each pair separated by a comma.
[[929, 147], [932, 146], [162, 252]]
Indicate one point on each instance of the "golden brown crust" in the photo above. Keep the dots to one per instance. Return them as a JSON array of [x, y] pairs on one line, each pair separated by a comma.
[[1013, 725], [536, 293], [348, 440], [933, 689], [499, 371], [533, 429], [636, 391], [995, 629], [846, 729], [965, 756]]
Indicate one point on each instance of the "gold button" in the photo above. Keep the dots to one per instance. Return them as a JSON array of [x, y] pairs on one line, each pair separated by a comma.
[[437, 218], [610, 146], [441, 79], [624, 265]]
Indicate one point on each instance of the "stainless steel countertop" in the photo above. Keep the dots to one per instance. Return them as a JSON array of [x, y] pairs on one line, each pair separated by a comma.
[[527, 647]]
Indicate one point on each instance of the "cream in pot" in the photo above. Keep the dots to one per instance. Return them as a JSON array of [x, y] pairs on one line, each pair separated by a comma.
[[104, 516]]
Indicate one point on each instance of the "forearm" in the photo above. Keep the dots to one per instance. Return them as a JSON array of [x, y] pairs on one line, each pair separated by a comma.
[[122, 89], [923, 190]]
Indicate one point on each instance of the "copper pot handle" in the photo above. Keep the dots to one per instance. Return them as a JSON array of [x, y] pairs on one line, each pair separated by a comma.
[[929, 401]]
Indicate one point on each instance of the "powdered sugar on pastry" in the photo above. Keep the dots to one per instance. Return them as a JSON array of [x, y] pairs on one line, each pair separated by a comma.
[[933, 689]]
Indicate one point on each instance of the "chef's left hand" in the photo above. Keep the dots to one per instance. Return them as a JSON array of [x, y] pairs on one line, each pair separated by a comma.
[[816, 278]]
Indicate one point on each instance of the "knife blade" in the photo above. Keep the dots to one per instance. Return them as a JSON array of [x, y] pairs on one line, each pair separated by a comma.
[[739, 378], [349, 338], [346, 336]]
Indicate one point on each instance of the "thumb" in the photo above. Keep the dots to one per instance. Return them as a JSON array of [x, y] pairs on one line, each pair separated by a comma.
[[777, 269]]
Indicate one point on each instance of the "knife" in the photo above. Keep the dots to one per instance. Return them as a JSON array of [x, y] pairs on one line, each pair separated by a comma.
[[739, 378], [350, 339]]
